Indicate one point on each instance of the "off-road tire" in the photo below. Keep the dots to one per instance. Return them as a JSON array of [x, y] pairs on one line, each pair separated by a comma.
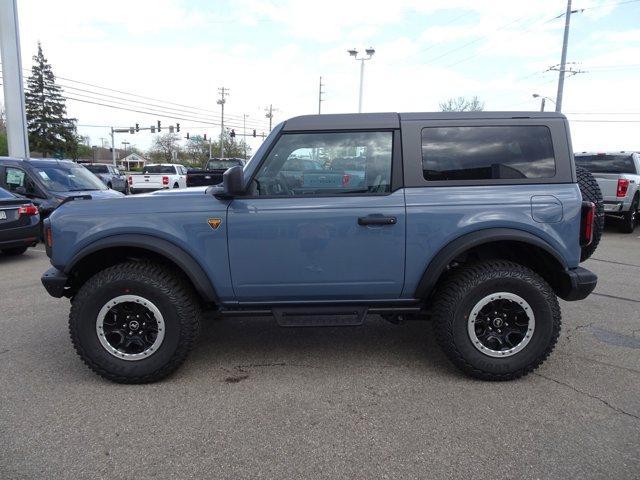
[[630, 218], [590, 191], [464, 287], [14, 251], [173, 296]]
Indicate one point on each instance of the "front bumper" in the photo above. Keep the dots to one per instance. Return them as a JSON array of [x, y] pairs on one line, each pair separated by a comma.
[[577, 284], [55, 282]]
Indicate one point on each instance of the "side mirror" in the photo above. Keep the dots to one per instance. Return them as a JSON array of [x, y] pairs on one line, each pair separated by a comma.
[[232, 183]]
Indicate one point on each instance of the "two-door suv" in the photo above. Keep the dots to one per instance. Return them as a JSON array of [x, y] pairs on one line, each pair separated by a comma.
[[475, 220]]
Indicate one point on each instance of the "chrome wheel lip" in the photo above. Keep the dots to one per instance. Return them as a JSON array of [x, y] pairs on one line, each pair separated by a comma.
[[471, 324], [133, 299]]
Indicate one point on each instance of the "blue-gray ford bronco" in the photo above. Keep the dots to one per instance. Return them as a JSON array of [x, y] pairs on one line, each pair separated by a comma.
[[475, 221]]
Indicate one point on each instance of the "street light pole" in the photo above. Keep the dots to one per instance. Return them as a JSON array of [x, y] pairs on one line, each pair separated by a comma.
[[223, 92], [244, 134], [543, 100], [354, 53], [563, 60]]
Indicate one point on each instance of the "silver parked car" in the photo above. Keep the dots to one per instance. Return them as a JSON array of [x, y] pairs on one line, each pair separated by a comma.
[[110, 176]]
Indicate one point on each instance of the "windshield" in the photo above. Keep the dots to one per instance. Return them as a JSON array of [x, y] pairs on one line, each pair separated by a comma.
[[159, 169], [606, 163], [222, 164], [65, 178]]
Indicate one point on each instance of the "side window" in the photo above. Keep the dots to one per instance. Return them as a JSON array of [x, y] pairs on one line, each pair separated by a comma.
[[17, 179], [487, 153], [327, 163]]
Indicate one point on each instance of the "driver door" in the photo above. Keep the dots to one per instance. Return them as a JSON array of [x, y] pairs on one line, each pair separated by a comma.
[[322, 221]]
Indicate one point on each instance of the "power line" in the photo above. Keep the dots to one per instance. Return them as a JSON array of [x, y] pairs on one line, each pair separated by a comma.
[[236, 117]]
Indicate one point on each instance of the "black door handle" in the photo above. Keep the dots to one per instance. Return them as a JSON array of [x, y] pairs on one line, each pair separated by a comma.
[[377, 220]]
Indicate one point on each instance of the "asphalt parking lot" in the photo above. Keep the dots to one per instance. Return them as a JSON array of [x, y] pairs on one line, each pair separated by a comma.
[[380, 401]]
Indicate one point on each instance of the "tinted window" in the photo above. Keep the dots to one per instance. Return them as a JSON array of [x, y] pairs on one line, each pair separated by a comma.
[[152, 169], [222, 164], [314, 163], [487, 153], [97, 168], [606, 163]]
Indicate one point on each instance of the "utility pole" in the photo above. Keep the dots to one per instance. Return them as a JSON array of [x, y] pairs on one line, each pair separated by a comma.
[[102, 140], [223, 93], [113, 148], [17, 133], [244, 133], [269, 114], [563, 59], [320, 93]]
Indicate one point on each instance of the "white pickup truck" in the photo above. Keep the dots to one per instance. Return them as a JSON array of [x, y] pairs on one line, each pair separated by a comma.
[[618, 175], [158, 177]]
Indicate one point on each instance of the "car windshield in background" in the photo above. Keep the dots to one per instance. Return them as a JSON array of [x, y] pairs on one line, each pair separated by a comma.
[[97, 168], [152, 169], [61, 178], [222, 164], [606, 163]]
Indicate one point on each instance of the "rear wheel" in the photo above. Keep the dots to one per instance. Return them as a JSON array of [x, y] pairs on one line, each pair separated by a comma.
[[14, 251], [630, 218], [134, 322], [590, 191], [496, 320]]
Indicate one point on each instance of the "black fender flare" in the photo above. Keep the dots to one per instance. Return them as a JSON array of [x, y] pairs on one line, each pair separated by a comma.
[[448, 253], [167, 249]]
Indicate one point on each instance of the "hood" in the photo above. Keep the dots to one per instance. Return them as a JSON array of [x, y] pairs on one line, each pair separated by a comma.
[[94, 194], [180, 191]]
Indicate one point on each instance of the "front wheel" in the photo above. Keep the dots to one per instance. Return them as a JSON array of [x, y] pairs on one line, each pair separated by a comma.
[[134, 322], [496, 320]]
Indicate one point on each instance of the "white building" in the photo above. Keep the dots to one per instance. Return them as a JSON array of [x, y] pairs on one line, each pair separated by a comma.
[[133, 160]]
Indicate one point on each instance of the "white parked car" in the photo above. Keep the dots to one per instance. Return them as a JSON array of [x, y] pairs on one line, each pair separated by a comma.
[[158, 177]]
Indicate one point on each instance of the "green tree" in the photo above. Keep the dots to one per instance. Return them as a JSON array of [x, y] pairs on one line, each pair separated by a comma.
[[232, 147], [462, 104], [4, 146], [197, 150], [51, 132], [165, 148]]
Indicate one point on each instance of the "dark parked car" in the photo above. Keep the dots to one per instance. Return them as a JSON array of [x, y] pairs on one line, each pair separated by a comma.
[[110, 176], [212, 173], [49, 182], [19, 223]]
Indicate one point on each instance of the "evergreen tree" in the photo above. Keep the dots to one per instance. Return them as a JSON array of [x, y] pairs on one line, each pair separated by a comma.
[[50, 131]]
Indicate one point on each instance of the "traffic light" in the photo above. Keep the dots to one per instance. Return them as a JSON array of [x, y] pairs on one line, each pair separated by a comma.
[[187, 135], [137, 127], [233, 133], [170, 128], [159, 127], [178, 127], [254, 132], [205, 136], [132, 130]]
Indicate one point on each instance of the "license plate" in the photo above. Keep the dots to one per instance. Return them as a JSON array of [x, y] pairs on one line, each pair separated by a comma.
[[3, 215]]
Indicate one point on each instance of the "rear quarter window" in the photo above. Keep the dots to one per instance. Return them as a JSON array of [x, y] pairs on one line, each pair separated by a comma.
[[487, 153]]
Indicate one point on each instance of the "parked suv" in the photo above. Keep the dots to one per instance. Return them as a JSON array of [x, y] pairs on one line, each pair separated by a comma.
[[618, 175], [110, 176], [474, 220], [50, 182]]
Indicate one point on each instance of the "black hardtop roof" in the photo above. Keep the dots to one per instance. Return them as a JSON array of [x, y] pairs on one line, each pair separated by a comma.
[[392, 119]]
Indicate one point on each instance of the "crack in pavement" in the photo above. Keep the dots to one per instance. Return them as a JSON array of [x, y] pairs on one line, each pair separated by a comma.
[[616, 297], [617, 263], [587, 394], [599, 362]]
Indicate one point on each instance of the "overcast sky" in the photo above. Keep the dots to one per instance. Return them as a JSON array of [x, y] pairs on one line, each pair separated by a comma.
[[273, 52]]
